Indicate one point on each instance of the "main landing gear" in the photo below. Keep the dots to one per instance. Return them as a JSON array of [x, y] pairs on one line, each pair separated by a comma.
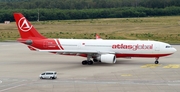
[[156, 62], [88, 61]]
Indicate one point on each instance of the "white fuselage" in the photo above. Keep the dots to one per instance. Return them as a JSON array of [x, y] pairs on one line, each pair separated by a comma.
[[118, 46]]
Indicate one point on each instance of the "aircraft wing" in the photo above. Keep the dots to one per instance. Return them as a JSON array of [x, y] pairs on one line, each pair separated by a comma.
[[78, 51]]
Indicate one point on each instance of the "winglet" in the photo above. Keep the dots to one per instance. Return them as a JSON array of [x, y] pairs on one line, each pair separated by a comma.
[[98, 37]]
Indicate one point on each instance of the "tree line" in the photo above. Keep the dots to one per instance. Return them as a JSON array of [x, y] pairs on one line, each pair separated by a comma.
[[85, 4], [87, 9], [66, 14]]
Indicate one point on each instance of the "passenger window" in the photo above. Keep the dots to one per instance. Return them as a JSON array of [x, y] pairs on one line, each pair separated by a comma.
[[43, 74]]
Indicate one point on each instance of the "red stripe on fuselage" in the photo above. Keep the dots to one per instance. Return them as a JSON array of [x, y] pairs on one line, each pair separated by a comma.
[[142, 55], [32, 48], [127, 55], [59, 44]]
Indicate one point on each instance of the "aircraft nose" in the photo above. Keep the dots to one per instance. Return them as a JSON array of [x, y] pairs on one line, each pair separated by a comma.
[[174, 50]]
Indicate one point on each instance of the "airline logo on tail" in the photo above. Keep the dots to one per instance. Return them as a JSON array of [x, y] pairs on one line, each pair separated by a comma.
[[24, 25]]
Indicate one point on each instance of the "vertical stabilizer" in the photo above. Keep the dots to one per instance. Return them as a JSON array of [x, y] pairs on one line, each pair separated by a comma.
[[25, 28]]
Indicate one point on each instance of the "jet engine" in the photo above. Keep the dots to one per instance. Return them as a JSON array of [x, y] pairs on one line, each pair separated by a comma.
[[107, 58]]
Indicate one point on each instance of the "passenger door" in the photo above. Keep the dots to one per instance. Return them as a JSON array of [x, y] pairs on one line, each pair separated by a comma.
[[157, 47], [47, 75], [43, 75]]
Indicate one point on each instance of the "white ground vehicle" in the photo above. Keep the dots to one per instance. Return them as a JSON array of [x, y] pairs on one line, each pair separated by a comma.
[[48, 75]]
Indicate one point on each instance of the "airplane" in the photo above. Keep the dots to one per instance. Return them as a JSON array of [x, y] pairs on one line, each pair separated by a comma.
[[104, 51], [98, 37]]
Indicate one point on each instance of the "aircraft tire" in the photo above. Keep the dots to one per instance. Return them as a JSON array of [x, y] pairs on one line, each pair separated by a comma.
[[84, 62], [95, 60], [156, 62], [90, 62]]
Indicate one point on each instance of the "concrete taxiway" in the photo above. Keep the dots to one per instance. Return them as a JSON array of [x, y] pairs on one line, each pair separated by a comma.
[[20, 69]]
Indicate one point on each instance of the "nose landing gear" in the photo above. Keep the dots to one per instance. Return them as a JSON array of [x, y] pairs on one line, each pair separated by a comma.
[[157, 62]]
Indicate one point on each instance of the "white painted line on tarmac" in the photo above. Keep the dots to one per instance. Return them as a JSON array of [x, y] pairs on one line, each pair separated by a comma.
[[11, 84], [4, 45], [0, 81], [12, 87]]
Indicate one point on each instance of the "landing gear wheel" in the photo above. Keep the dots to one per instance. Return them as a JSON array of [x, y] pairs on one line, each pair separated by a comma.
[[156, 62], [90, 62], [95, 60], [84, 62]]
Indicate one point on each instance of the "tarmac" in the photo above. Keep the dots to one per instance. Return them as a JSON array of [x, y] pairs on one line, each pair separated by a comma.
[[20, 69]]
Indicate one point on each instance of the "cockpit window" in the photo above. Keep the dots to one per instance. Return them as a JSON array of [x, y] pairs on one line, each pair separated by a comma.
[[168, 46]]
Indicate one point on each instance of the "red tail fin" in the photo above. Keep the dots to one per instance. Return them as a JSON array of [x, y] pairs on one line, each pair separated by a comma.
[[25, 28]]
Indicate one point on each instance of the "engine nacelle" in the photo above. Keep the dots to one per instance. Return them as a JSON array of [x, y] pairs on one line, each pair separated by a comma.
[[107, 58]]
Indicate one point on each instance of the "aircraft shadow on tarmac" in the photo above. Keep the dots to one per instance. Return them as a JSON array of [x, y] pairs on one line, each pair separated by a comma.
[[78, 65], [73, 64], [118, 62]]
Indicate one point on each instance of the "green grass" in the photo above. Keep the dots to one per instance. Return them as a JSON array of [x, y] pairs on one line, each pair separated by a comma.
[[164, 29]]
